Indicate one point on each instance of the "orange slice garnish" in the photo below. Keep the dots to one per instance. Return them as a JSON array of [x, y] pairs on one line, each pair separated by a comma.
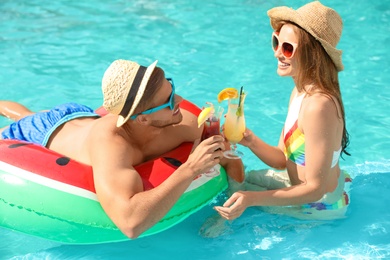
[[227, 93]]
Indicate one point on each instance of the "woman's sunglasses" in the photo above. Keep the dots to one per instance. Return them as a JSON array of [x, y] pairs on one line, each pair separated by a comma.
[[170, 103], [288, 48]]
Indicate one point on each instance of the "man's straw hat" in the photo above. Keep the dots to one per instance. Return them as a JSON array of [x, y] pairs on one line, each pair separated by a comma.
[[123, 86], [322, 22]]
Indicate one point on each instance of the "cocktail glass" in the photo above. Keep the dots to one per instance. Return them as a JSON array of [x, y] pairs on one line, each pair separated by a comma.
[[234, 126], [212, 124], [212, 127]]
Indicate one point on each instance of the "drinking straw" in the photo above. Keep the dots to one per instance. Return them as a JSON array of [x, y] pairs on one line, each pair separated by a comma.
[[239, 100], [238, 112]]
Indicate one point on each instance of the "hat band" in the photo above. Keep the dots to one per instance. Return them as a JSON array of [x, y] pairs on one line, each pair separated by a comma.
[[133, 91]]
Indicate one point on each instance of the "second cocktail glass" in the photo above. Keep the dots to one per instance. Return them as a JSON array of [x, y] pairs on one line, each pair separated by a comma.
[[234, 126], [212, 127], [212, 124]]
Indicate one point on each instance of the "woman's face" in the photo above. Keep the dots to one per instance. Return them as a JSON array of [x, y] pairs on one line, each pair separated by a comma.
[[287, 66]]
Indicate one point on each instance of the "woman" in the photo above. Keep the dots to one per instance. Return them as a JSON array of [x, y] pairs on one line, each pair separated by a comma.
[[314, 134]]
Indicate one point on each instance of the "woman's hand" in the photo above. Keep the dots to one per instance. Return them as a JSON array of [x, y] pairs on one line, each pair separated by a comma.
[[248, 138], [234, 206]]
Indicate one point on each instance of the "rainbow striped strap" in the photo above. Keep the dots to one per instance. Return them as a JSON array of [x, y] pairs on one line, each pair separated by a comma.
[[294, 143]]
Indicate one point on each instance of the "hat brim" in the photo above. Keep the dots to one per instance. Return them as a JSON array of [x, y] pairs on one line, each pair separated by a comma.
[[280, 14], [140, 93]]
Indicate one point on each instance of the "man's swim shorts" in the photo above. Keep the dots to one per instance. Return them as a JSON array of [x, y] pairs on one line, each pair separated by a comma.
[[38, 128]]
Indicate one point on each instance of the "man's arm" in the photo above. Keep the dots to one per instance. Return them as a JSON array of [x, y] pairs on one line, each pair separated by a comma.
[[120, 189]]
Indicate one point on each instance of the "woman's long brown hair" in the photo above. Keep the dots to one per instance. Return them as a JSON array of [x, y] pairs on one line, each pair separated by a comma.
[[316, 68]]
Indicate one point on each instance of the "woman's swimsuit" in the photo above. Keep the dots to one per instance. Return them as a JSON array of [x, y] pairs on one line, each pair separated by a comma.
[[37, 128], [269, 179], [294, 139], [294, 142]]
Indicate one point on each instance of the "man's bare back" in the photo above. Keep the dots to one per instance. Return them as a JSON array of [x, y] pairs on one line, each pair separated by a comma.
[[72, 138]]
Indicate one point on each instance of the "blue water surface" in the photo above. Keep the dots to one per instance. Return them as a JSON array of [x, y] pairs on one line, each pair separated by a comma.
[[57, 51]]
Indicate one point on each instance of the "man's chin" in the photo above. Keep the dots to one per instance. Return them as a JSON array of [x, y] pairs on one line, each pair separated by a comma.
[[178, 119], [175, 121]]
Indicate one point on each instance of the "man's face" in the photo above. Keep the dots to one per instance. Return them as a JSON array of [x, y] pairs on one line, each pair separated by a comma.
[[166, 117]]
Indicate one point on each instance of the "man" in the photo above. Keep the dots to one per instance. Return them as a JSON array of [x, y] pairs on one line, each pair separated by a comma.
[[144, 121]]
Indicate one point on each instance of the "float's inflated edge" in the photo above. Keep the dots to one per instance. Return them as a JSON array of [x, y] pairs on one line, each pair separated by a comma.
[[70, 218]]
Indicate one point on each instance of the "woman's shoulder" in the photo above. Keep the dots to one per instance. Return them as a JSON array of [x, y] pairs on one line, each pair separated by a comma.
[[321, 100], [319, 105]]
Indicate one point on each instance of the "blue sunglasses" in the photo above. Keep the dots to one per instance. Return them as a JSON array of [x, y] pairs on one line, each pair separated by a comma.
[[170, 103]]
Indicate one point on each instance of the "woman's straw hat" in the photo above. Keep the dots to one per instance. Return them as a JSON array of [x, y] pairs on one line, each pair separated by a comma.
[[123, 86], [322, 22]]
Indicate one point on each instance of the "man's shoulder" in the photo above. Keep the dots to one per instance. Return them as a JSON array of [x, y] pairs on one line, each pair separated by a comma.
[[110, 139], [105, 128]]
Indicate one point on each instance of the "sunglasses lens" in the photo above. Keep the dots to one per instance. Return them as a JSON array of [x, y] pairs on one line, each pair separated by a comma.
[[275, 43], [172, 105], [172, 98], [287, 49]]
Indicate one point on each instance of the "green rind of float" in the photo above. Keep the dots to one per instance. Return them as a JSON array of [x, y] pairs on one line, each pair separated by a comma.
[[189, 203], [72, 219], [62, 217]]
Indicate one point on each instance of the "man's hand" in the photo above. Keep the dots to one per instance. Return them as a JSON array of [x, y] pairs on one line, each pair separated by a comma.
[[206, 154]]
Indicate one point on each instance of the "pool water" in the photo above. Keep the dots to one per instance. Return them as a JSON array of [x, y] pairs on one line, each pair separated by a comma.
[[57, 51]]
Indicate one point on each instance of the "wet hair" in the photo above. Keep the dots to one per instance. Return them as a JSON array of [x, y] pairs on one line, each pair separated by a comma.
[[154, 84], [317, 69]]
